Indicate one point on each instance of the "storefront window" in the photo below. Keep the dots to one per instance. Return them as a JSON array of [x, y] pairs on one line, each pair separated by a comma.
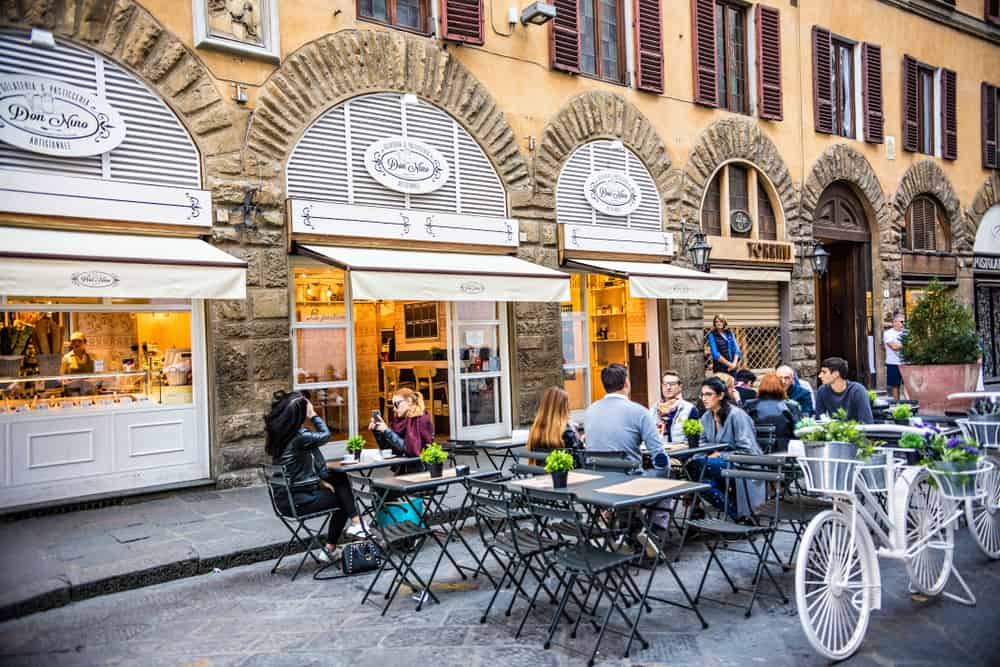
[[322, 355], [576, 360], [61, 359]]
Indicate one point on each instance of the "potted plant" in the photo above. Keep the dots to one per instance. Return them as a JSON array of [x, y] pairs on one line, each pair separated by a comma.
[[913, 445], [901, 414], [693, 430], [433, 458], [952, 461], [558, 464], [354, 445], [985, 411], [831, 447], [869, 451], [940, 350]]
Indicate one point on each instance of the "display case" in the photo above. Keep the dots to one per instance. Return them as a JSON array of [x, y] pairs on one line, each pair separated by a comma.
[[39, 393]]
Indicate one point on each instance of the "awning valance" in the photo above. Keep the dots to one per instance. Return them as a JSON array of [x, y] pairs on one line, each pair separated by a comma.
[[42, 262], [442, 276], [754, 275], [654, 280]]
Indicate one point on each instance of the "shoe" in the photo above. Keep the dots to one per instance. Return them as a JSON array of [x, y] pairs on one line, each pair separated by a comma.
[[648, 544], [328, 557]]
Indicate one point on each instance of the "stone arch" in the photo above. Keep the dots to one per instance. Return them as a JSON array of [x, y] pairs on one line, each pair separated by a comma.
[[927, 177], [128, 34], [986, 197], [597, 115], [740, 140], [843, 163], [342, 65]]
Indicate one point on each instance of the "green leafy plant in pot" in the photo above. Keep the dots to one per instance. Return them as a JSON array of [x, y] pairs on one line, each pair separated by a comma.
[[951, 460], [355, 444], [433, 458], [831, 445], [985, 411], [693, 430], [901, 414], [940, 350], [558, 464]]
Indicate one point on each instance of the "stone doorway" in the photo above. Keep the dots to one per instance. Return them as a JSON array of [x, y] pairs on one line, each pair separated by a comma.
[[845, 325]]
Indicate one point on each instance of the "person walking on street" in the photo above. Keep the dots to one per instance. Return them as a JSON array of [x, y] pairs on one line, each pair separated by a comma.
[[892, 340], [726, 353], [796, 390], [617, 424], [838, 392]]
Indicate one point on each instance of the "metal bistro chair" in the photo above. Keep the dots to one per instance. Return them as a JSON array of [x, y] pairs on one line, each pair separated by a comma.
[[767, 437], [722, 531], [279, 486], [577, 562]]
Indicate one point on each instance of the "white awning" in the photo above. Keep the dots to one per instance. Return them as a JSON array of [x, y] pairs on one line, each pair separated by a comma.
[[988, 235], [754, 275], [442, 276], [654, 280], [42, 262]]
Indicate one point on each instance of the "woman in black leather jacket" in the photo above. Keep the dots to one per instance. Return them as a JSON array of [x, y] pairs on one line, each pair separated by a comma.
[[772, 407], [294, 447]]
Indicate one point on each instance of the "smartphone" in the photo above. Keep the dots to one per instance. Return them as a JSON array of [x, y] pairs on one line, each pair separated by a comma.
[[376, 415]]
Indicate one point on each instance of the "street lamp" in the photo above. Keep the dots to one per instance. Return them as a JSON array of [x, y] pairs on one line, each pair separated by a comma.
[[694, 243], [819, 258]]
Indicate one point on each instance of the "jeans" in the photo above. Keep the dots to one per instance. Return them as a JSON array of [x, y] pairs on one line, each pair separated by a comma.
[[709, 470]]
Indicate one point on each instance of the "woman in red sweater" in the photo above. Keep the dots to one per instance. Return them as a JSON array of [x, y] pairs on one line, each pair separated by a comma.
[[410, 429]]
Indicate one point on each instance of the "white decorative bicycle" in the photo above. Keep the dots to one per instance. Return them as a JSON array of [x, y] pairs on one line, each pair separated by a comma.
[[889, 510], [982, 513]]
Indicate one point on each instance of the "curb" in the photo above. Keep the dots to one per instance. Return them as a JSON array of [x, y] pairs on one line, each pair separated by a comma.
[[181, 569]]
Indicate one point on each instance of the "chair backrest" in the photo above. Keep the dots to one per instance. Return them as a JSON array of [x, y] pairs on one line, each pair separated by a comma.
[[424, 373], [521, 470], [743, 469], [611, 465], [767, 436], [278, 485], [548, 507]]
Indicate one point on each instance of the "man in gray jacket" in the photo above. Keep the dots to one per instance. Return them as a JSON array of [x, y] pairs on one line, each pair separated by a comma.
[[617, 424]]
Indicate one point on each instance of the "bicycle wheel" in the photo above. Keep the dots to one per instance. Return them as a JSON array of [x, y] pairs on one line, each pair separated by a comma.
[[926, 513], [832, 579], [983, 515]]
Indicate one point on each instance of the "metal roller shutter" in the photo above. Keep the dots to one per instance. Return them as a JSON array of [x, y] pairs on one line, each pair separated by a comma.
[[753, 311]]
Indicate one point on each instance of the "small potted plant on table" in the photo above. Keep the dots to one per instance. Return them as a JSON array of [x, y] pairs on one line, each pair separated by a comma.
[[901, 414], [354, 445], [433, 458], [693, 430], [558, 464]]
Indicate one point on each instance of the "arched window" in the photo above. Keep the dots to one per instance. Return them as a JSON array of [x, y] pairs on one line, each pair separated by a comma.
[[926, 227], [738, 204]]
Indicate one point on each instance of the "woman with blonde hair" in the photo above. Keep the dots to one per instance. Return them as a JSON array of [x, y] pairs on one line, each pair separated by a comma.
[[552, 428], [411, 427], [726, 353]]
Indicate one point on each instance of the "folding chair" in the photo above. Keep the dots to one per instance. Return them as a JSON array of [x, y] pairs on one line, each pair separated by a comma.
[[767, 436], [399, 543], [278, 485], [458, 448], [576, 561], [721, 531]]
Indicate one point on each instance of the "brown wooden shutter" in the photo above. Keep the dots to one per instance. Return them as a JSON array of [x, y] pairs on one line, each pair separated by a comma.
[[565, 36], [822, 83], [769, 94], [990, 129], [949, 118], [703, 52], [648, 46], [911, 114], [871, 73], [462, 20]]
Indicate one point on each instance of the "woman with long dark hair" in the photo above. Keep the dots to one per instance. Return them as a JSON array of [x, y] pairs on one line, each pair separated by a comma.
[[295, 447], [725, 424]]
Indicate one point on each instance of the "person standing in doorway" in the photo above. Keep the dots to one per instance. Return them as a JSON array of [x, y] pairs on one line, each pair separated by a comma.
[[838, 392], [892, 340], [725, 352]]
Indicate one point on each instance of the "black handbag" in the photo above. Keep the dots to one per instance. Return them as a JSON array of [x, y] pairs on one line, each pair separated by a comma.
[[360, 557]]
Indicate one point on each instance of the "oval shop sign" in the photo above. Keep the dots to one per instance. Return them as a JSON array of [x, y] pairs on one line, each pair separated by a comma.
[[406, 165], [612, 192], [95, 279], [51, 117]]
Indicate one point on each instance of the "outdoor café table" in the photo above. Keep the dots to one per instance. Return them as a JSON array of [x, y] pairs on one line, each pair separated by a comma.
[[422, 485], [366, 468], [495, 450], [992, 396]]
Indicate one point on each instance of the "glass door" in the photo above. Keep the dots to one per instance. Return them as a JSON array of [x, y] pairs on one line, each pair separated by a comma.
[[479, 375]]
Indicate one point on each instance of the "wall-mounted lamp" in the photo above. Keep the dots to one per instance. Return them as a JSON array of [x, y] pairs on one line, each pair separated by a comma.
[[250, 209], [819, 258], [538, 13], [694, 243]]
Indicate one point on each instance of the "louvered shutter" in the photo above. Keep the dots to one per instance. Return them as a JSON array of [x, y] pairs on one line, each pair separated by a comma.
[[462, 20], [911, 113], [703, 52], [871, 73], [564, 36], [768, 21], [822, 81], [990, 130], [949, 119], [923, 224], [648, 46]]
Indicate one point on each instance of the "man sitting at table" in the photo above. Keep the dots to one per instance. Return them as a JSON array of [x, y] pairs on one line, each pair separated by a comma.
[[617, 424]]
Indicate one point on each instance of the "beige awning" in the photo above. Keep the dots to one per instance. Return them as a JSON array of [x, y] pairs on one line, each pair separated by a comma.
[[442, 276], [42, 262], [655, 280], [754, 275]]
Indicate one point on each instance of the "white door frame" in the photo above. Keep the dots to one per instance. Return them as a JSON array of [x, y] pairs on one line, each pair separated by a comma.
[[503, 428]]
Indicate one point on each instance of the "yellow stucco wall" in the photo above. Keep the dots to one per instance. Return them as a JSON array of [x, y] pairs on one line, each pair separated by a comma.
[[515, 69]]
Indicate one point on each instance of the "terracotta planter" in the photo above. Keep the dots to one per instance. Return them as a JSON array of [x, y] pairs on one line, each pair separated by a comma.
[[931, 385]]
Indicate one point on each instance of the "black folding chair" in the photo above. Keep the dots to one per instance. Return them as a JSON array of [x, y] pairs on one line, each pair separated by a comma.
[[767, 437], [722, 531], [458, 448], [577, 562], [399, 542], [279, 486]]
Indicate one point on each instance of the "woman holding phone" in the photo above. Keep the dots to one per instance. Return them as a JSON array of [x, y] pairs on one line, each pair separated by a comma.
[[410, 429]]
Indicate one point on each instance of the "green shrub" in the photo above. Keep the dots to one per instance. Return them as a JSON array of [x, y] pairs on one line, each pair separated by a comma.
[[902, 411], [433, 454], [558, 461], [940, 331], [355, 443]]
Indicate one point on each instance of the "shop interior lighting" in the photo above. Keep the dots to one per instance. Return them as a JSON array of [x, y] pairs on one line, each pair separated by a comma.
[[538, 13]]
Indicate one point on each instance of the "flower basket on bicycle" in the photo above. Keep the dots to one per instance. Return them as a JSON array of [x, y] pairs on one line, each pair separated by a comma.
[[986, 433], [961, 480], [830, 467]]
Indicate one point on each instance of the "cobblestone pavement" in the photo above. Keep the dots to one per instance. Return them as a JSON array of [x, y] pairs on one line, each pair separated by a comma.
[[245, 616]]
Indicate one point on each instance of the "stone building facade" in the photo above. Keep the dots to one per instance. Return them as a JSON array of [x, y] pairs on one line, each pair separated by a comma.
[[528, 118]]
